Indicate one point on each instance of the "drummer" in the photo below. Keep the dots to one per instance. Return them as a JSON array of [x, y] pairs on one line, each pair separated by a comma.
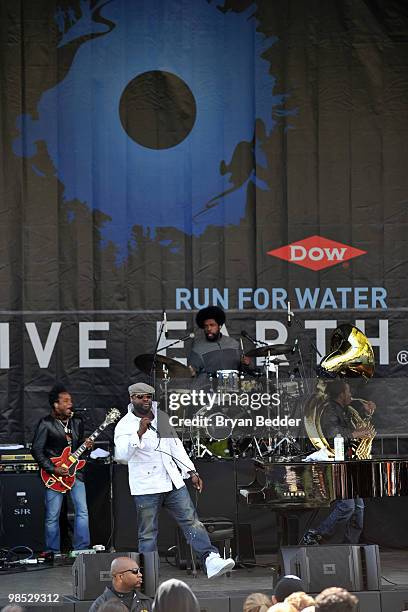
[[215, 351]]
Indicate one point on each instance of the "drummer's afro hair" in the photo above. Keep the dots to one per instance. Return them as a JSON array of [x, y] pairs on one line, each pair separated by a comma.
[[211, 312]]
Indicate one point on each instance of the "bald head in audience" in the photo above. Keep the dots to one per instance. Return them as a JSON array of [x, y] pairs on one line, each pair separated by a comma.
[[125, 578]]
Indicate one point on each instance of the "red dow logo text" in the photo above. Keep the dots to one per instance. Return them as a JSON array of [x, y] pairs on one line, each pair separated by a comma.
[[316, 253]]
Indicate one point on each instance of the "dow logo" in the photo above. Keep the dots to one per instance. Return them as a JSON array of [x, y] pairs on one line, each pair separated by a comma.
[[316, 253]]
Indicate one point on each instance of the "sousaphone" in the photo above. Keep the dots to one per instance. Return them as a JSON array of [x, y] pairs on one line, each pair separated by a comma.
[[351, 355]]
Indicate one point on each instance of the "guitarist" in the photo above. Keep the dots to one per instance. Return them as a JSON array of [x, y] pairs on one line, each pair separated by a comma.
[[53, 433]]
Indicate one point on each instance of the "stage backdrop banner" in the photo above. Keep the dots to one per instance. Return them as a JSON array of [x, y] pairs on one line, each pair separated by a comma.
[[170, 154]]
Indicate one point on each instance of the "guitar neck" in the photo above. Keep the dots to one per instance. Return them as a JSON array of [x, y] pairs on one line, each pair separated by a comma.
[[81, 449]]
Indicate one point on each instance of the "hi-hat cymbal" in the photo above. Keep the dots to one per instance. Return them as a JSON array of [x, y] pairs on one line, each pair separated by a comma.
[[175, 369], [271, 349]]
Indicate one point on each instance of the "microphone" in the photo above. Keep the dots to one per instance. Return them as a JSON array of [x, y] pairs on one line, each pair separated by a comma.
[[245, 334], [295, 345], [150, 426], [166, 331], [290, 315], [190, 335], [80, 410]]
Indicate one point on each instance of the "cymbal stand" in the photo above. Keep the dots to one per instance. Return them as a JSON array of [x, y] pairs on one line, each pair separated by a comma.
[[268, 362], [282, 438], [166, 380]]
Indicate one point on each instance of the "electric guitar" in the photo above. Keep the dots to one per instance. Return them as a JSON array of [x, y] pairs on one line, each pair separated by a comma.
[[62, 484]]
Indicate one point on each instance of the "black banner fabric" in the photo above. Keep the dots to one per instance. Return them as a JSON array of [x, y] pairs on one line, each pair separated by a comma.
[[170, 154]]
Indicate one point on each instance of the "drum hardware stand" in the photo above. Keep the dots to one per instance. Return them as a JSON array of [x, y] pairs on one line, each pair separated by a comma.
[[254, 444], [281, 438], [200, 450], [166, 380], [267, 362], [272, 443], [164, 368]]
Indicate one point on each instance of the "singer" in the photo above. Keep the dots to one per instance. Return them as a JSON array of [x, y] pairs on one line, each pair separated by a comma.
[[53, 433], [157, 466], [215, 351]]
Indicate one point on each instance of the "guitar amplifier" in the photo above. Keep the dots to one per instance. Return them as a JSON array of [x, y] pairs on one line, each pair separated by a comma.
[[21, 510], [16, 462], [91, 573]]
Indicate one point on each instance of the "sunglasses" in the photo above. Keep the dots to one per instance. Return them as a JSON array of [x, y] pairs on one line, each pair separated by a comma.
[[145, 395], [134, 570]]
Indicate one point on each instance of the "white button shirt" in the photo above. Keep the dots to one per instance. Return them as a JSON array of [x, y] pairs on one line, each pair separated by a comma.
[[154, 464]]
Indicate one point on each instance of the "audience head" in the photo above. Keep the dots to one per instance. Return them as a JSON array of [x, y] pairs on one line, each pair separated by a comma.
[[257, 602], [300, 600], [12, 608], [286, 586], [336, 599], [282, 607], [126, 574], [175, 595]]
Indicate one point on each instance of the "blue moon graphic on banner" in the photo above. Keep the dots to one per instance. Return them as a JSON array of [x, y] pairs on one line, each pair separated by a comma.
[[160, 121]]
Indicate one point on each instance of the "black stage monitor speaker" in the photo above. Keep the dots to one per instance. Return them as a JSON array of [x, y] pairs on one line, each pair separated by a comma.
[[91, 573], [353, 567]]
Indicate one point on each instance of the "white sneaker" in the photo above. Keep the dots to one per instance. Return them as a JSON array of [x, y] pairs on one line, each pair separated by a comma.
[[217, 566]]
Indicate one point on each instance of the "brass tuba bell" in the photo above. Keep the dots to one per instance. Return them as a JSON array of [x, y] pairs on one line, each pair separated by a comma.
[[351, 354]]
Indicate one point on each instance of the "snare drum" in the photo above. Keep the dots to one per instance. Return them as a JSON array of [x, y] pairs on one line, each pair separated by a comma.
[[228, 381], [292, 388], [250, 384]]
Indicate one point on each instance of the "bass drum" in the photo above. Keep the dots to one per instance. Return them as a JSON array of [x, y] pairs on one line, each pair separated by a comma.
[[218, 431], [212, 424], [215, 438]]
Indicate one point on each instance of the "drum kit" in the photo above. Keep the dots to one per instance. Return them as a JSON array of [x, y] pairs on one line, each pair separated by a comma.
[[219, 428]]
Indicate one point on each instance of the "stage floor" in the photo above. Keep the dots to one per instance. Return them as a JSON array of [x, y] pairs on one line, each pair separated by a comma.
[[57, 579]]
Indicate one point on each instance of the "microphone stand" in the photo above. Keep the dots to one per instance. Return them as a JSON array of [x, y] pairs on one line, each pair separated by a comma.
[[173, 343], [298, 345], [111, 499], [299, 349], [156, 350]]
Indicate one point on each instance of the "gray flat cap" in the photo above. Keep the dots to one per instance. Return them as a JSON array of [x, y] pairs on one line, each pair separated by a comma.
[[140, 388]]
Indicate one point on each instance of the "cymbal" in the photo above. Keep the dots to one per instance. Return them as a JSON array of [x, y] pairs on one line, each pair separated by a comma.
[[175, 369], [271, 349]]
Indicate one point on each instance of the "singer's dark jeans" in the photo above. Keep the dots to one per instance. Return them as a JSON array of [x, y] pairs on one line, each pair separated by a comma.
[[178, 503]]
